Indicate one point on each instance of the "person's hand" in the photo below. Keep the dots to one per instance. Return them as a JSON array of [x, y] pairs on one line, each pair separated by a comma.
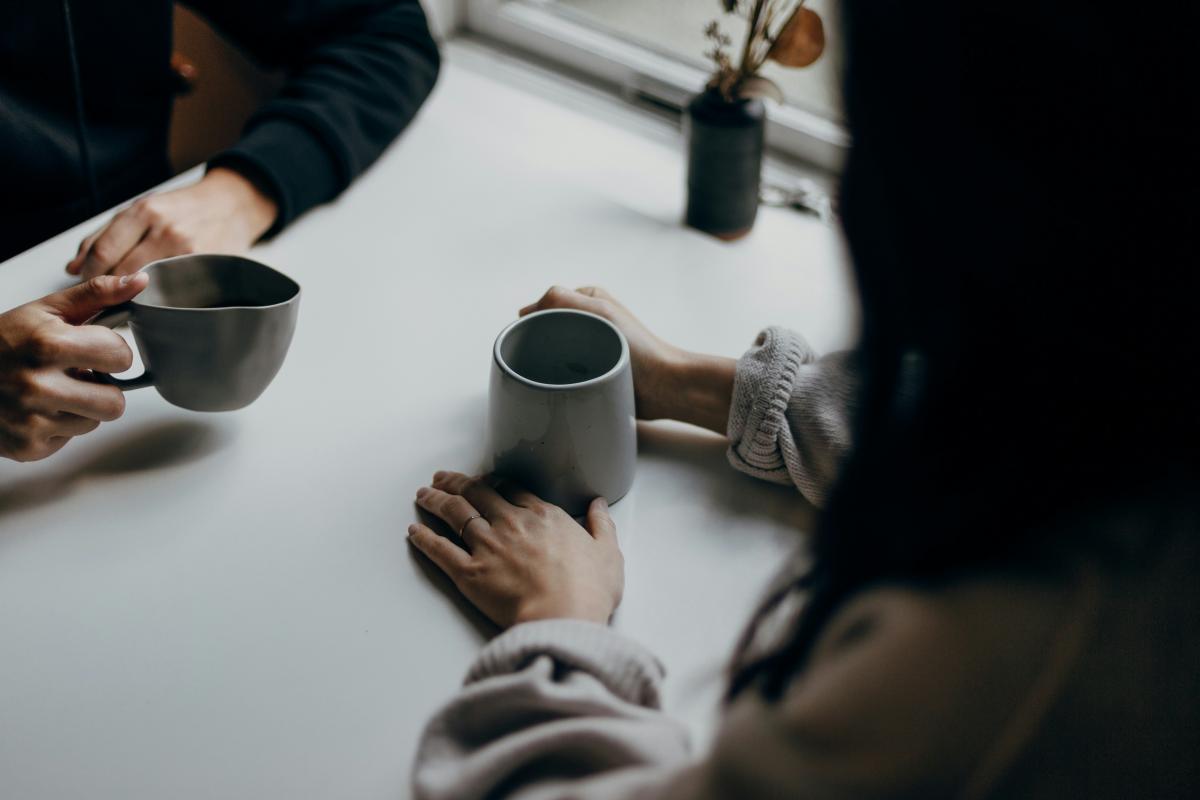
[[223, 213], [525, 559], [46, 354], [668, 382], [652, 359]]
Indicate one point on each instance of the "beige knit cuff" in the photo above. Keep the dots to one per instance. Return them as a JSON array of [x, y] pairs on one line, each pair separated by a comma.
[[762, 388], [626, 669]]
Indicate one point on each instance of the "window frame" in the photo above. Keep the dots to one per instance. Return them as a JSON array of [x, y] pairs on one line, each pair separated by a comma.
[[636, 72]]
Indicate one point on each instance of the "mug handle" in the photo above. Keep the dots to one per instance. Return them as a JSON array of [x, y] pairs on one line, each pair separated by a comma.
[[115, 317]]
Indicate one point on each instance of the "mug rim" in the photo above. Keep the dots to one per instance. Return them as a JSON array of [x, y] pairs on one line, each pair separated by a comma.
[[295, 296], [622, 360]]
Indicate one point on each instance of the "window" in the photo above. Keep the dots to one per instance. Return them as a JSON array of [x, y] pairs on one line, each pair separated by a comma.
[[653, 49]]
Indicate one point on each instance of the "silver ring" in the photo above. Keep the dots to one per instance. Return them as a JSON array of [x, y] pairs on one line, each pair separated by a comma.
[[470, 519]]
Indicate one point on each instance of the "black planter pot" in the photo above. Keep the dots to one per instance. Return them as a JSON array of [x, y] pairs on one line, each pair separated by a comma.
[[725, 152]]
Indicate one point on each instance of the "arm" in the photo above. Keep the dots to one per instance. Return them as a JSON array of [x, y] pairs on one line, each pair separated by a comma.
[[358, 70], [785, 411], [556, 708], [888, 705]]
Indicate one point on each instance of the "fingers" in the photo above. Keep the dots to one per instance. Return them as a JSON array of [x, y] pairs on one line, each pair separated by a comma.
[[589, 298], [513, 493], [162, 225], [602, 303], [599, 523], [78, 303], [69, 425], [36, 451], [114, 243], [51, 391], [455, 510], [36, 436], [596, 292], [89, 347], [149, 249], [76, 263], [53, 445], [450, 558], [476, 491]]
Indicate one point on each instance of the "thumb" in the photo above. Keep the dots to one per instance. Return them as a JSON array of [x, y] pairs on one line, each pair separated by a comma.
[[87, 299], [599, 523]]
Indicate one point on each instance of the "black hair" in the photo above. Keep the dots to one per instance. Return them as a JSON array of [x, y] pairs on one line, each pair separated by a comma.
[[1019, 204]]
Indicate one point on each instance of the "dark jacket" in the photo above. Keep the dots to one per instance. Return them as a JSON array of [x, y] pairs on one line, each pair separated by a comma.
[[358, 70]]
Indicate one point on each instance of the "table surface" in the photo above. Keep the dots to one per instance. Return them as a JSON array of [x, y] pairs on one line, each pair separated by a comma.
[[200, 606]]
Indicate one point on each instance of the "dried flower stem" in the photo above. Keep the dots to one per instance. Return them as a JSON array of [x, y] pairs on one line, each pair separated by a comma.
[[751, 36], [766, 20]]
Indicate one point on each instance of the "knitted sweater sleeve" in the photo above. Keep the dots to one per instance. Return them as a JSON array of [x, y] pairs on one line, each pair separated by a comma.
[[789, 421], [888, 705], [553, 709]]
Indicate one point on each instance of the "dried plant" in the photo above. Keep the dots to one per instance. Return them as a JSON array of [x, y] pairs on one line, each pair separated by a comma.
[[784, 31]]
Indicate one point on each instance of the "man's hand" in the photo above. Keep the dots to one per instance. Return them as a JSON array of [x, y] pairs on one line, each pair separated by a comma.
[[668, 382], [223, 213], [526, 559], [46, 355]]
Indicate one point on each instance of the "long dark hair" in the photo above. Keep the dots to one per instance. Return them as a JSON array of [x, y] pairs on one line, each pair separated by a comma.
[[1018, 199]]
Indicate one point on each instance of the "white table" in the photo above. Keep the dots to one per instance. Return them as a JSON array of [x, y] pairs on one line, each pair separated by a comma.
[[225, 606]]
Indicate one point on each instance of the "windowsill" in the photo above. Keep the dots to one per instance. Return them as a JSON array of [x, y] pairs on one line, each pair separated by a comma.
[[599, 101], [634, 70]]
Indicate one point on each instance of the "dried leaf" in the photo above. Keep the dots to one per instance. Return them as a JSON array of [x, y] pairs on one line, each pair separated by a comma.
[[801, 41], [758, 86]]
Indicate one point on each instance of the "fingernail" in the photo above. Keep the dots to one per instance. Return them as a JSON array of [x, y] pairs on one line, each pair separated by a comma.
[[127, 278], [424, 490], [412, 529], [602, 503]]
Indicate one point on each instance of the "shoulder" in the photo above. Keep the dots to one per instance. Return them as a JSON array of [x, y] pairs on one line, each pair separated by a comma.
[[906, 692]]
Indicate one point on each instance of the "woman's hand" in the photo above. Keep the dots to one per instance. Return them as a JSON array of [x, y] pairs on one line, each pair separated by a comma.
[[46, 353], [223, 213], [668, 382], [525, 559], [652, 359]]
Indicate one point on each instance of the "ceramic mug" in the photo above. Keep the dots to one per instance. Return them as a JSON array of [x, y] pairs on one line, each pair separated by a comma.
[[212, 330], [561, 418]]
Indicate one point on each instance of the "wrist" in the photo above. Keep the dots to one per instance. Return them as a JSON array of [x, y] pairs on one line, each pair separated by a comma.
[[699, 389], [674, 377], [656, 380], [536, 612], [254, 207]]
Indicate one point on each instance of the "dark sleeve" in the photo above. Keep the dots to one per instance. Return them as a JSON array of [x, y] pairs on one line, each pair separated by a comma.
[[357, 71]]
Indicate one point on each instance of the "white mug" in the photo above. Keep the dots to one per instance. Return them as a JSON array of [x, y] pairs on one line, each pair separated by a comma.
[[561, 417]]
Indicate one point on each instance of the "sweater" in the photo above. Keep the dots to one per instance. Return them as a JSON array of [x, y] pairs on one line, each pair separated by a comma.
[[86, 93], [1010, 683]]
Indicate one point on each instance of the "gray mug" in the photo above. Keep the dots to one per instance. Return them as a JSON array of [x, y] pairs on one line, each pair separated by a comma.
[[561, 418], [212, 330]]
